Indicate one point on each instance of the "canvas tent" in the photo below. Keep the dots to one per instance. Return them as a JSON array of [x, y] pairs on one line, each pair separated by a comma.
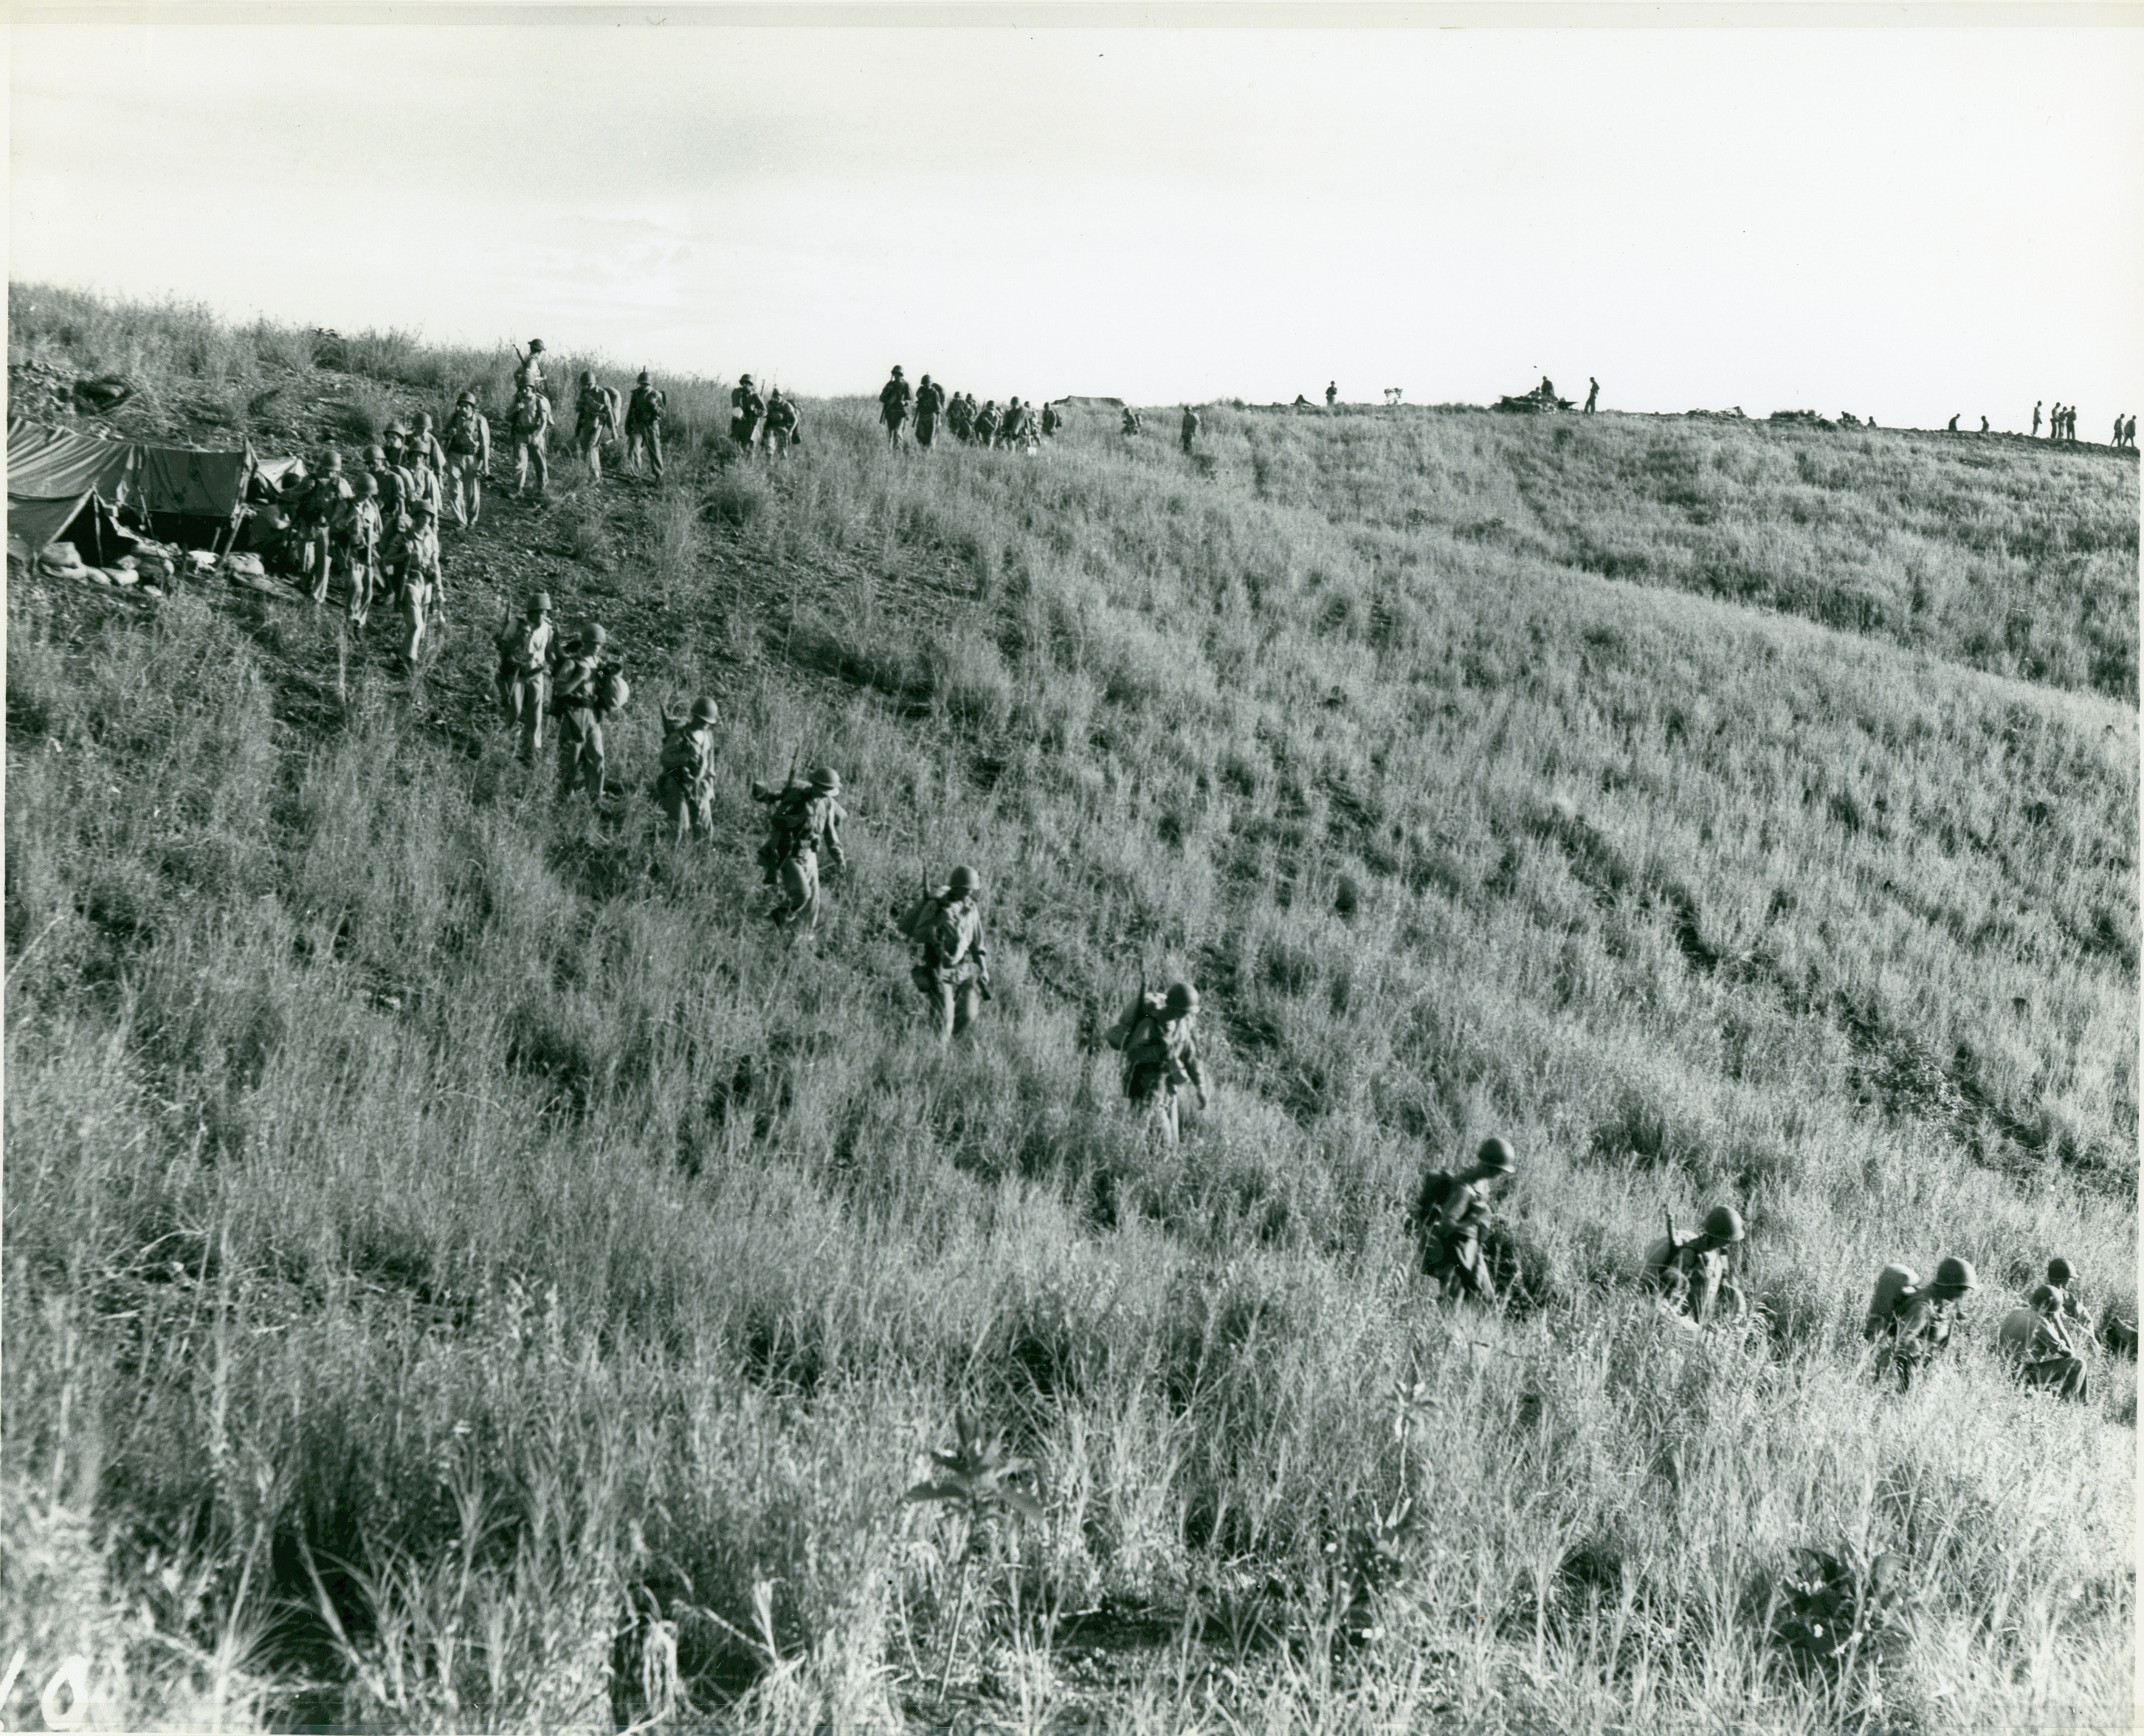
[[181, 494]]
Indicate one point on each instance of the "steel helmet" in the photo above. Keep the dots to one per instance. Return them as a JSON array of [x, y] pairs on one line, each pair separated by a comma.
[[1497, 1153], [1955, 1276], [593, 637], [334, 461], [1183, 1000], [2059, 1273], [540, 604], [1723, 1224], [374, 455], [964, 881], [424, 421], [703, 711], [423, 509], [744, 379], [2043, 1296], [588, 376], [643, 376], [467, 397], [897, 370], [535, 344], [369, 486], [825, 779]]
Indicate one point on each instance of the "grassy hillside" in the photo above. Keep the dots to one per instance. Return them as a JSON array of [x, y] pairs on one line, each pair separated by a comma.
[[465, 1270]]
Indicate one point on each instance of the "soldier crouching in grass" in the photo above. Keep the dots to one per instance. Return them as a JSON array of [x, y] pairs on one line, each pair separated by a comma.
[[1450, 1214], [2035, 1340], [1690, 1271], [1910, 1323]]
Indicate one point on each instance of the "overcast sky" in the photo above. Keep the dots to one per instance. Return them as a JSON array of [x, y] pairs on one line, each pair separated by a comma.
[[1899, 223]]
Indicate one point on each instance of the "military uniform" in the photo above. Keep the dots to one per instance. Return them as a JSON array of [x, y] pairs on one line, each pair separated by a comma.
[[417, 598], [595, 419], [1187, 429], [524, 675], [1910, 1323], [531, 428], [782, 420], [894, 399], [954, 974], [747, 409], [1014, 429], [1159, 1043], [2036, 1342], [1052, 419], [644, 426], [424, 452], [1451, 1214], [529, 372], [357, 535], [325, 499], [986, 423], [1690, 1271], [578, 701], [930, 404], [806, 819], [960, 416], [686, 785], [468, 458]]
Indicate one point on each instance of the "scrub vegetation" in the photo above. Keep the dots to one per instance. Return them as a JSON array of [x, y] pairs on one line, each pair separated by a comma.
[[465, 1269]]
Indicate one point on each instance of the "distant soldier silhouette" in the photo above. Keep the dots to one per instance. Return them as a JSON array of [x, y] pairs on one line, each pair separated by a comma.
[[2129, 432], [2037, 1341], [643, 424], [2117, 431], [960, 416], [1952, 425], [1451, 1212], [1984, 424], [686, 785], [1131, 422], [1052, 421], [1592, 394], [953, 975], [1331, 393], [468, 459], [894, 399], [783, 428], [1158, 1037], [1187, 430], [1690, 1271], [930, 405], [1910, 1323], [2036, 418], [530, 425], [747, 409], [524, 676], [587, 689], [986, 423], [805, 819]]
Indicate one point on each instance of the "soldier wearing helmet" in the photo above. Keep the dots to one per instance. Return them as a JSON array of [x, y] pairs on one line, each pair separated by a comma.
[[322, 506], [686, 787], [424, 449], [587, 689], [1690, 1271], [747, 411], [2038, 1343], [356, 534], [529, 372], [468, 459], [1157, 1036], [953, 975], [805, 822], [894, 399], [529, 424], [524, 677], [643, 424], [1910, 1323], [1450, 1214], [595, 420]]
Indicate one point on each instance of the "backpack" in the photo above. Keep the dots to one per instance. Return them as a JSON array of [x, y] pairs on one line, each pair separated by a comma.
[[1149, 1005], [1893, 1283], [521, 646], [612, 689]]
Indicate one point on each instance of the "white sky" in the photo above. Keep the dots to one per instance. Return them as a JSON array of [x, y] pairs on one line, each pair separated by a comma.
[[1904, 223]]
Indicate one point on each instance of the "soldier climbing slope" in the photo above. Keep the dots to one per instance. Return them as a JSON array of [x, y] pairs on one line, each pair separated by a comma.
[[356, 536], [782, 423], [525, 672], [1450, 1214], [468, 459], [805, 818], [588, 687], [894, 399], [954, 973], [930, 405], [1909, 1323], [2037, 1340], [1187, 430], [530, 425], [595, 420], [1015, 429], [1690, 1271], [985, 422], [1053, 419], [747, 409], [643, 424], [1158, 1039], [528, 371], [686, 785], [424, 452], [418, 597], [960, 416]]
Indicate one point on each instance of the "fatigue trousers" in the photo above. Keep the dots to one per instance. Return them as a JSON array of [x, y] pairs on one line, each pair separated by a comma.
[[580, 752], [926, 430], [688, 808], [1457, 1263], [590, 449], [363, 582], [524, 695], [893, 427], [465, 487], [319, 560], [529, 455], [955, 1005], [646, 441], [797, 876], [413, 612], [2057, 1373]]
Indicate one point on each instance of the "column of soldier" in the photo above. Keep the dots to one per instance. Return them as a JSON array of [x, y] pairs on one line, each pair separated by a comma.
[[2062, 426]]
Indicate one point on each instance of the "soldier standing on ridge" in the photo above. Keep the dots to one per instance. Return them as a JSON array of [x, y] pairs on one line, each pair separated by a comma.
[[781, 420], [1911, 1322], [2036, 418], [1187, 429], [894, 399], [954, 974], [1450, 1214], [1013, 431], [595, 420], [1691, 1271], [1331, 393], [1131, 422], [2037, 1340], [530, 425], [1952, 427], [1160, 1047], [524, 674], [686, 786], [585, 693], [805, 818], [1592, 394], [643, 424], [1053, 419], [930, 402], [468, 459]]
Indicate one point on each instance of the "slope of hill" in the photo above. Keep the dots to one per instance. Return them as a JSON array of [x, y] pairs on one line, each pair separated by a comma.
[[463, 1268]]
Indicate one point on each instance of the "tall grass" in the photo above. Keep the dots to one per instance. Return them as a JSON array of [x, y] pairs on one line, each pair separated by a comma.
[[475, 1236]]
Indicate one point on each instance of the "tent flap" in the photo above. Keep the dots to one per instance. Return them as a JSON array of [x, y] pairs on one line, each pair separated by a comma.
[[55, 463]]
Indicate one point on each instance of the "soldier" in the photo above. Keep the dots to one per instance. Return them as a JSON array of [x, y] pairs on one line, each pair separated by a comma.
[[1984, 424], [424, 450], [960, 416], [1160, 1047], [525, 672], [954, 974], [2036, 418], [595, 420], [1450, 1214], [1014, 429], [986, 423], [930, 404], [1053, 419], [805, 818], [587, 690], [1911, 1322], [1331, 393], [417, 600], [357, 534], [2116, 441], [782, 423], [894, 399], [468, 459], [1691, 1271], [1187, 429], [320, 508], [644, 424], [2036, 1340], [2129, 432], [421, 483], [1131, 422], [686, 785], [746, 410], [1592, 394], [393, 483], [1952, 426], [529, 372], [531, 428]]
